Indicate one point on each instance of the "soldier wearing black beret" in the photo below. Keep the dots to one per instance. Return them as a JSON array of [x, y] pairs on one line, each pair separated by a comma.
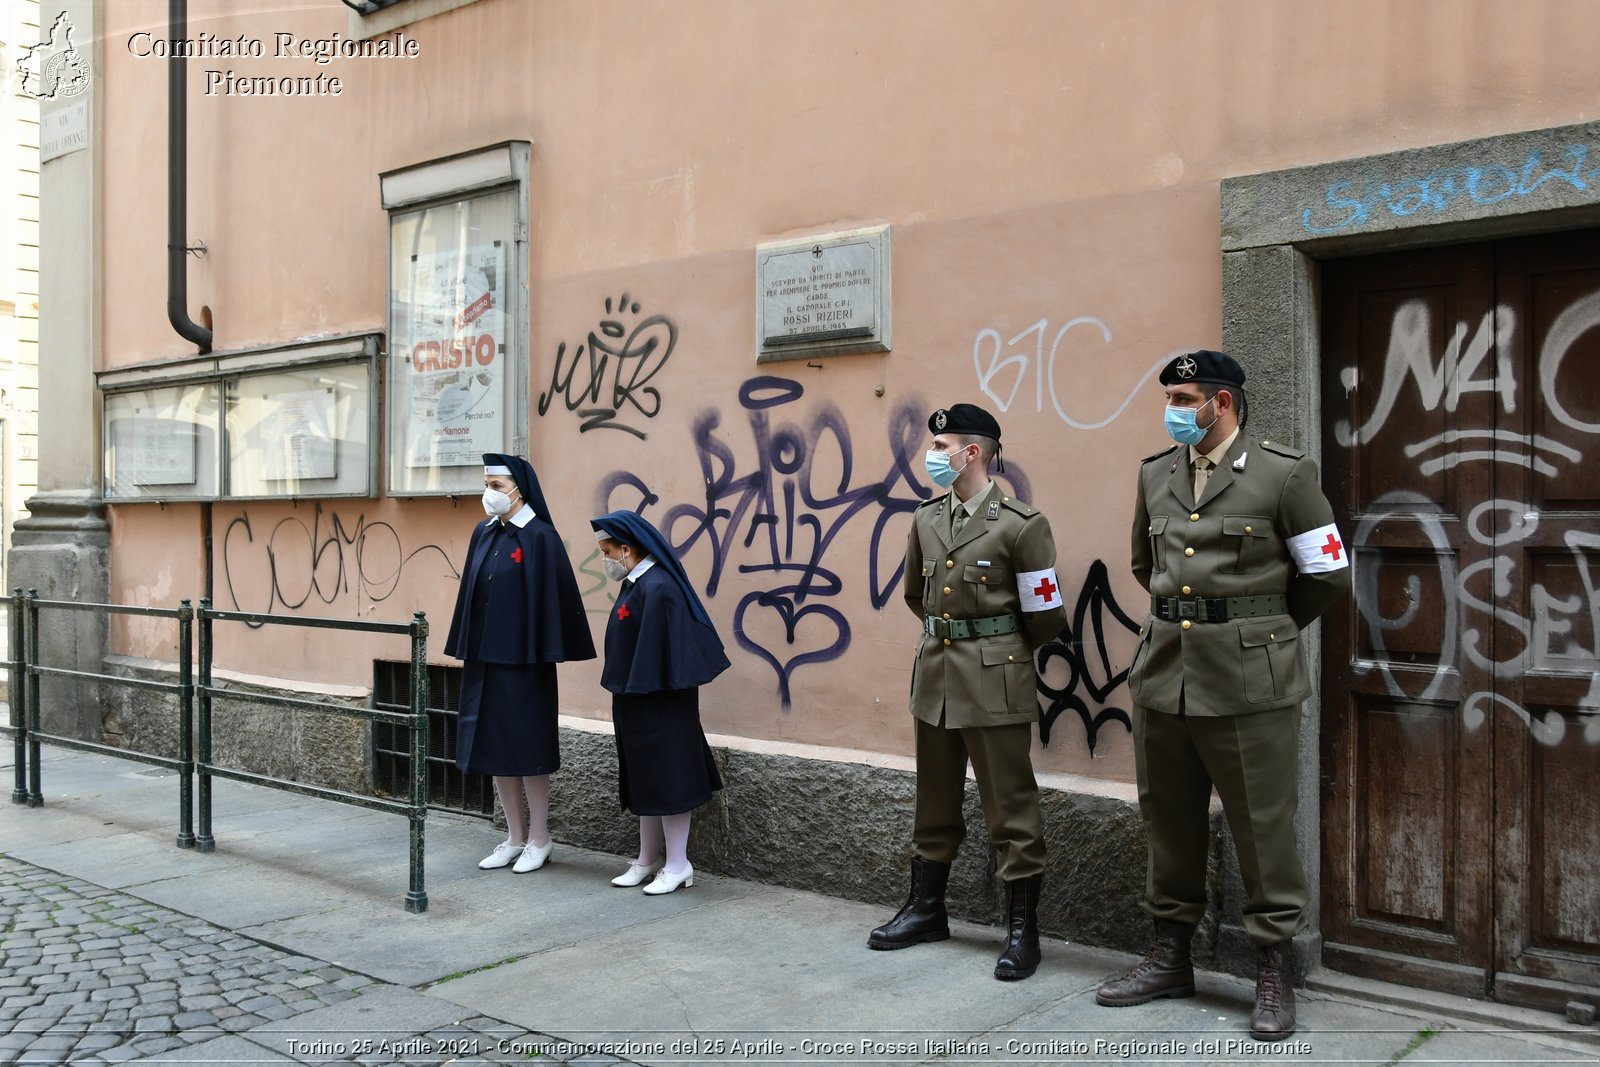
[[1236, 544], [980, 578]]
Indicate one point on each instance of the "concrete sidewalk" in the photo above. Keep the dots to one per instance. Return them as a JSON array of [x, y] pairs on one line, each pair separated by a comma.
[[290, 943]]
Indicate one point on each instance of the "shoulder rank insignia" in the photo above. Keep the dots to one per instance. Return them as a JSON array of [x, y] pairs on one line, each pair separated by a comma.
[[1025, 510], [1282, 449], [1158, 455]]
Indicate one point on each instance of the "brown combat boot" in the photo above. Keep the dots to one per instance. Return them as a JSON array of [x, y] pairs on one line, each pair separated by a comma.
[[1020, 957], [1273, 1018], [1165, 970], [923, 917]]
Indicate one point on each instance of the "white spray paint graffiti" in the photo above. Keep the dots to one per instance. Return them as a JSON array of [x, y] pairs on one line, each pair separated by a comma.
[[992, 355], [1548, 632]]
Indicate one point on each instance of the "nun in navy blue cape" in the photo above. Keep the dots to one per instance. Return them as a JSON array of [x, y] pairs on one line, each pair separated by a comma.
[[518, 613], [660, 648]]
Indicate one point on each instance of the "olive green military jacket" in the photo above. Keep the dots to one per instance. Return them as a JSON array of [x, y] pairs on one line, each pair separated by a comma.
[[1006, 546], [1262, 526]]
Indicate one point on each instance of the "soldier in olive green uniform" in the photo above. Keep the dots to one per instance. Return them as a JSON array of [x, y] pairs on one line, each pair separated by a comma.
[[980, 577], [1237, 545]]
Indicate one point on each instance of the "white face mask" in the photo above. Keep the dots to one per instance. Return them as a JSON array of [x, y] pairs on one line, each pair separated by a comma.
[[495, 502], [616, 570]]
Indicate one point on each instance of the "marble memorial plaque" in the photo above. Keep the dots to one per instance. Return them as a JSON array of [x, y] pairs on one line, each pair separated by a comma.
[[823, 295]]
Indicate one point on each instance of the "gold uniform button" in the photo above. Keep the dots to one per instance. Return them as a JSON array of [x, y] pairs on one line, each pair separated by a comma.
[[1272, 637], [1149, 529], [949, 563], [947, 615], [1011, 659], [1186, 590], [1188, 552], [1247, 529], [947, 640], [1195, 517], [983, 578], [1186, 625], [947, 590]]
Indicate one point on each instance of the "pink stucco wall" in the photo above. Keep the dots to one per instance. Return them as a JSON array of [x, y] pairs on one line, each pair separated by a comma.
[[1050, 171]]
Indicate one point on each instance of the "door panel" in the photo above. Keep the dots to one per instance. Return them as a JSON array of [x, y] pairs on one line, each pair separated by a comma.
[[1461, 730], [1409, 359]]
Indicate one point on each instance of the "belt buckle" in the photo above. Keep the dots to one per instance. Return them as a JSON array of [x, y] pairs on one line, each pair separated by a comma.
[[1188, 609], [932, 624]]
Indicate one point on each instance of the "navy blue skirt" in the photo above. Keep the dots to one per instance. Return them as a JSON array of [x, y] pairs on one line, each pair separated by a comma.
[[508, 720], [664, 765]]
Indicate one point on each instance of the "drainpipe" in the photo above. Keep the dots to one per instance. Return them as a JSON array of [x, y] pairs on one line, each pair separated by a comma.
[[178, 181]]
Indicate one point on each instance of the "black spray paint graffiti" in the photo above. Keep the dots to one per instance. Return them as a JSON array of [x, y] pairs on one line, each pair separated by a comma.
[[367, 558], [612, 369], [1097, 607]]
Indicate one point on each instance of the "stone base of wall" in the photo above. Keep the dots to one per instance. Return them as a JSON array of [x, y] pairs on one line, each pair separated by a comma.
[[322, 749]]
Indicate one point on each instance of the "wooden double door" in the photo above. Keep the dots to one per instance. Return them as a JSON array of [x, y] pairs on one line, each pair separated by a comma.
[[1461, 686]]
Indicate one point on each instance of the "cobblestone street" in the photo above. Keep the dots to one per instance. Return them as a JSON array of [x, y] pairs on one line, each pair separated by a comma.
[[94, 975]]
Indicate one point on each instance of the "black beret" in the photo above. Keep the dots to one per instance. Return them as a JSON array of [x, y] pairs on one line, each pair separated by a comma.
[[964, 418], [1213, 368]]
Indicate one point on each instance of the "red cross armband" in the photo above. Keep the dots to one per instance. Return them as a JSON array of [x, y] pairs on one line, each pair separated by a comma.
[[1319, 550], [1039, 590]]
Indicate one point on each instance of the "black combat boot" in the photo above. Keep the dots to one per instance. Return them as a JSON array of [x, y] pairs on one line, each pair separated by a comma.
[[1020, 957], [923, 918], [1165, 970], [1273, 1018]]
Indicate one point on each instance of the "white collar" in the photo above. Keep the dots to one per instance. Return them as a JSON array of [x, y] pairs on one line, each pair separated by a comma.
[[639, 568], [524, 515]]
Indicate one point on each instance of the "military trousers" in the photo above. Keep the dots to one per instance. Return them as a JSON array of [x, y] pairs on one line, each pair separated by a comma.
[[1002, 761], [1251, 760]]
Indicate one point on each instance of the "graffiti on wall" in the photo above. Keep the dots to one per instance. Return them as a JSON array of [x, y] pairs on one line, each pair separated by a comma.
[[324, 559], [773, 509], [1004, 366], [605, 379], [1352, 203], [1091, 676], [1550, 631]]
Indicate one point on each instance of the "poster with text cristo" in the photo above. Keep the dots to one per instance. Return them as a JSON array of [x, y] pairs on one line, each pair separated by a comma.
[[455, 383]]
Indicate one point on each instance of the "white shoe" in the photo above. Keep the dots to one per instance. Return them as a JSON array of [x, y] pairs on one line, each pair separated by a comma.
[[502, 855], [533, 857], [666, 881], [636, 873]]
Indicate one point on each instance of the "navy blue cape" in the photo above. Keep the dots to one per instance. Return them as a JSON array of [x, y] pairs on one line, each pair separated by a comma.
[[534, 613], [653, 641]]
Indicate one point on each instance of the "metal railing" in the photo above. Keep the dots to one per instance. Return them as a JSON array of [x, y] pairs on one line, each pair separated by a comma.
[[32, 670], [417, 718], [194, 759]]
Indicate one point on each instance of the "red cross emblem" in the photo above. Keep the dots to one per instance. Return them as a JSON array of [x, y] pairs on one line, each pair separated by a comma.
[[1045, 589], [1332, 548], [516, 556], [622, 611]]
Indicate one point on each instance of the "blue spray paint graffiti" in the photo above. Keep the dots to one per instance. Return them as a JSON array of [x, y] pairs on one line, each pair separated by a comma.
[[787, 510], [1486, 183]]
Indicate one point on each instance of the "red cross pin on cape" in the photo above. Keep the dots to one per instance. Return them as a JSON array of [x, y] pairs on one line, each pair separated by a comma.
[[516, 555], [622, 611]]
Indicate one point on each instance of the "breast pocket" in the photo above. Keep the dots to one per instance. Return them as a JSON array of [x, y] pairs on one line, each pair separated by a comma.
[[1158, 556], [1246, 543], [927, 582], [990, 587]]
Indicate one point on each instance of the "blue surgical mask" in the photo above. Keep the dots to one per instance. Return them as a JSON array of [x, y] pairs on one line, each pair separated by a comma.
[[1181, 425], [939, 469]]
